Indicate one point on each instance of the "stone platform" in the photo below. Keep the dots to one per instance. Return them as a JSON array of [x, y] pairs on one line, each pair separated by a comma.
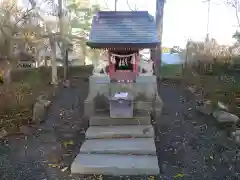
[[101, 119], [117, 150], [116, 165], [110, 132], [125, 146]]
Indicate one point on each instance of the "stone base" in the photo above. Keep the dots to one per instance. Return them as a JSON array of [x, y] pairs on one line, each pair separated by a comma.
[[89, 107], [145, 88], [141, 118], [107, 132], [143, 106], [116, 165], [137, 146]]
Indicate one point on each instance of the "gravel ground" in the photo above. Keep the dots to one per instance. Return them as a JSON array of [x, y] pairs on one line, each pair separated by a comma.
[[189, 145]]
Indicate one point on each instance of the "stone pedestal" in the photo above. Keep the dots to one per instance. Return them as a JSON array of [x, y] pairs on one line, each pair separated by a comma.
[[144, 92]]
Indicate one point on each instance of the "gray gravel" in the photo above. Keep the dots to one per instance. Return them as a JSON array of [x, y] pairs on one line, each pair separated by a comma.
[[192, 145], [189, 144]]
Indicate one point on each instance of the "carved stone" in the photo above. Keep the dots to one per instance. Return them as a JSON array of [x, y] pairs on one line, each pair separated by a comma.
[[146, 68], [101, 102], [100, 68], [39, 109]]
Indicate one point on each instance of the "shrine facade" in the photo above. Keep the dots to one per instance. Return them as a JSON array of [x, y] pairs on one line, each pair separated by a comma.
[[123, 34]]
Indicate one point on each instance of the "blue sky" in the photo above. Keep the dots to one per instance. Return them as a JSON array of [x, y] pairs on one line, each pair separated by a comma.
[[184, 19]]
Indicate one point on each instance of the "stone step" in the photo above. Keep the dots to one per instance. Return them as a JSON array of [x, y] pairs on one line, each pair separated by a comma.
[[116, 165], [107, 132], [134, 146], [103, 119]]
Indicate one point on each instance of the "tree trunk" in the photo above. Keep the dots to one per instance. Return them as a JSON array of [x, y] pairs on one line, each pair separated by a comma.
[[159, 24], [54, 61], [63, 47], [66, 69]]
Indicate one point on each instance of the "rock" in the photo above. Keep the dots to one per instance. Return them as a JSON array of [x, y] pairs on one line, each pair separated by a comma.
[[192, 89], [237, 139], [3, 133], [39, 109], [236, 133], [66, 84], [206, 108], [5, 70], [225, 117], [222, 106]]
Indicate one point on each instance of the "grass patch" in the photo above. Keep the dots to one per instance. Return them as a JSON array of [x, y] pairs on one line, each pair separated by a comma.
[[17, 99], [223, 86], [171, 70]]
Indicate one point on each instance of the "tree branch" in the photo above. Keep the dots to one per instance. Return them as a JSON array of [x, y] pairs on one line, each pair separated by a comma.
[[234, 4], [135, 8], [106, 4]]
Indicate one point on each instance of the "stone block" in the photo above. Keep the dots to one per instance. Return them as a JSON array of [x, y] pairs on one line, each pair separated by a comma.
[[147, 85], [89, 107], [143, 105], [236, 132], [158, 105], [103, 119], [115, 165], [225, 117], [98, 84], [205, 107], [107, 132], [133, 146]]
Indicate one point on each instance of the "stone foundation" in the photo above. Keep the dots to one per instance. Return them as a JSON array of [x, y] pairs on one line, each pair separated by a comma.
[[119, 146], [144, 92]]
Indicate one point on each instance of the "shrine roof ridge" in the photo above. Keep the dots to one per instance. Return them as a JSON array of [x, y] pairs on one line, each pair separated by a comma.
[[119, 14], [128, 28]]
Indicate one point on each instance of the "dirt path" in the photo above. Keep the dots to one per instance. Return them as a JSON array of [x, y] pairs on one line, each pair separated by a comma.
[[189, 145]]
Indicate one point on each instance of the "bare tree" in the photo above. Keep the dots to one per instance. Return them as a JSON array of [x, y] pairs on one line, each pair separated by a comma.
[[132, 9], [235, 4]]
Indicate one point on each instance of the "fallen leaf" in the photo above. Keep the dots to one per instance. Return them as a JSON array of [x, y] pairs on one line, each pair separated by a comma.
[[180, 175], [66, 143], [53, 165]]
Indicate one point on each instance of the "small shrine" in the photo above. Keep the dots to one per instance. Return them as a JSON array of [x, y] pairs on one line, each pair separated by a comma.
[[123, 34], [122, 98]]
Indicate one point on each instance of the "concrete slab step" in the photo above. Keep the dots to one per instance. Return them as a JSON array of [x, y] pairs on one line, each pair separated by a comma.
[[115, 165], [103, 119], [134, 146], [107, 132]]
